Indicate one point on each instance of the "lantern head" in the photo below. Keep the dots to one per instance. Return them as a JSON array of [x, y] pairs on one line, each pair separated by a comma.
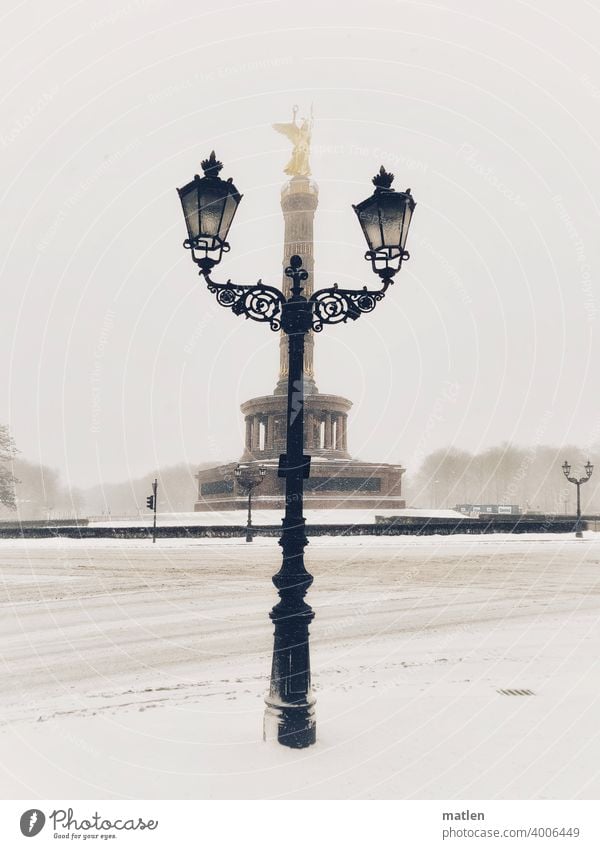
[[209, 205], [385, 219]]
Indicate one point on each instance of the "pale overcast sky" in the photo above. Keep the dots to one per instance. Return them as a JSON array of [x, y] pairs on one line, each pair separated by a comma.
[[116, 358]]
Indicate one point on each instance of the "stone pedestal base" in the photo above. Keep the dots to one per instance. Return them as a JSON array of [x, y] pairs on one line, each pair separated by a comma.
[[333, 484]]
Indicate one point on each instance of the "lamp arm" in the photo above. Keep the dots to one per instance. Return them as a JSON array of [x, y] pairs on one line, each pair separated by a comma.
[[578, 481], [335, 305], [255, 300]]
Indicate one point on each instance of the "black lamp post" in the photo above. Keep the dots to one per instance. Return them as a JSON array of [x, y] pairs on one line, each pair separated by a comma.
[[249, 480], [578, 481], [209, 205]]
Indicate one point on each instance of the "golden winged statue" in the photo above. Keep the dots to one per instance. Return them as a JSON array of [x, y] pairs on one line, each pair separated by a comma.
[[299, 135]]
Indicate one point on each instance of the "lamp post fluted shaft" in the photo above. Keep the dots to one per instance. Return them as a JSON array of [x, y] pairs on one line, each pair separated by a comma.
[[250, 487], [290, 714], [249, 482]]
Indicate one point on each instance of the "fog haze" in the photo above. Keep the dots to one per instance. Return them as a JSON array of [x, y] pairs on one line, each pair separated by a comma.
[[117, 359]]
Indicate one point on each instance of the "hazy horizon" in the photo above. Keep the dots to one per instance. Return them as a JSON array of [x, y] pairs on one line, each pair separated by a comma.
[[528, 476]]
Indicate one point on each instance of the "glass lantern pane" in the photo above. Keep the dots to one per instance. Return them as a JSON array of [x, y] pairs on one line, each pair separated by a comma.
[[391, 211], [368, 215], [212, 202], [405, 224], [231, 205], [189, 202]]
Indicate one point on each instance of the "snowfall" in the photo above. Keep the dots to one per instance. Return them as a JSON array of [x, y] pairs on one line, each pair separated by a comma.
[[133, 670]]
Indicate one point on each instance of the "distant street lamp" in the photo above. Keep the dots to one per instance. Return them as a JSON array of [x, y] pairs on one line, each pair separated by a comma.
[[578, 481], [209, 205], [248, 479]]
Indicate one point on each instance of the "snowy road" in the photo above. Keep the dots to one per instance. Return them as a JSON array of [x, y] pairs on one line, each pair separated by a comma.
[[133, 670]]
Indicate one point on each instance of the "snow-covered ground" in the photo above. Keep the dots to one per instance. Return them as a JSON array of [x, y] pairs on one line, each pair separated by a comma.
[[138, 670]]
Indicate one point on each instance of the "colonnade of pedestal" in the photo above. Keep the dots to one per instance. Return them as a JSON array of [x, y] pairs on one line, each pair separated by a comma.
[[325, 431]]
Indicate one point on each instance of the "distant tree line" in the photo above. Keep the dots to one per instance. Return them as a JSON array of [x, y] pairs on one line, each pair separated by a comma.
[[504, 474], [30, 490], [177, 492], [40, 493]]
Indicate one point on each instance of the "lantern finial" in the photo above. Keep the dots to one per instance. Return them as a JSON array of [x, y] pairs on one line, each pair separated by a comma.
[[384, 179], [211, 166]]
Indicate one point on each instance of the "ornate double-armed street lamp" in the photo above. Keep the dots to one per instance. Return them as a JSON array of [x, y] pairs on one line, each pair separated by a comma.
[[578, 481], [249, 478], [209, 205]]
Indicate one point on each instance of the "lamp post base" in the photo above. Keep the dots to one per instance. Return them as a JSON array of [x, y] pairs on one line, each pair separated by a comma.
[[578, 535], [249, 536], [293, 725]]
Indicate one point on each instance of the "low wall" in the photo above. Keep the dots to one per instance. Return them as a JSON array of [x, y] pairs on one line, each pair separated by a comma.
[[416, 527]]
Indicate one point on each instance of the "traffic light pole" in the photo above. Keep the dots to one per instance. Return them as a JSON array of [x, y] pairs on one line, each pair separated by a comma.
[[154, 489]]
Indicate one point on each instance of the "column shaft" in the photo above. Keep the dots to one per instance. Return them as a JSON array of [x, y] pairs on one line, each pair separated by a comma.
[[338, 432], [328, 431], [255, 433]]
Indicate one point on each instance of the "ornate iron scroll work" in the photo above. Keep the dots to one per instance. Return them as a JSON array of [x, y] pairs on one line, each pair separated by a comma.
[[255, 301], [265, 303], [335, 305]]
